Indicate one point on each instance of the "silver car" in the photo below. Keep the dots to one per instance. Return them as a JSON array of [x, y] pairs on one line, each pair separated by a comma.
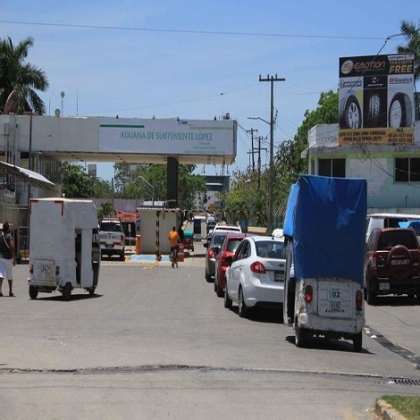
[[256, 274], [213, 247]]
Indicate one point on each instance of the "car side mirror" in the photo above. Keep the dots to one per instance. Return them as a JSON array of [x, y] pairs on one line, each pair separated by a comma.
[[229, 259], [206, 244]]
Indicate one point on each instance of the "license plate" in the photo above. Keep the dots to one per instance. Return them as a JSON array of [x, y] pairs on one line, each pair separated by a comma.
[[335, 306], [108, 246], [334, 293], [383, 286], [278, 276]]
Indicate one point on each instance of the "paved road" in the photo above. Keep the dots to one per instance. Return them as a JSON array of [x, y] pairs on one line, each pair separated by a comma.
[[156, 342]]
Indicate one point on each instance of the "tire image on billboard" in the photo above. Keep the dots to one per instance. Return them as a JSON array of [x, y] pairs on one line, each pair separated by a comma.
[[373, 111], [400, 111], [351, 113]]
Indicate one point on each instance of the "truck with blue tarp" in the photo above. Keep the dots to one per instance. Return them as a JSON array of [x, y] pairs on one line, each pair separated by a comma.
[[325, 221]]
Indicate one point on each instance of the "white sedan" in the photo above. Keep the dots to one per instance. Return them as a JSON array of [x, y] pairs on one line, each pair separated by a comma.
[[256, 274]]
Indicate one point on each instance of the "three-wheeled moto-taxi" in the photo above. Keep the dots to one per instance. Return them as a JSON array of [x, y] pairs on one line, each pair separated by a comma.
[[64, 248], [326, 219], [188, 240]]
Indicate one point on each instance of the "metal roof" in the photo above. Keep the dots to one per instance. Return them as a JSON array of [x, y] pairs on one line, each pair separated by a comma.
[[30, 177]]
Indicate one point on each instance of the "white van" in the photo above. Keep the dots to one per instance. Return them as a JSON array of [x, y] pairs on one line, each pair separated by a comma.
[[385, 220]]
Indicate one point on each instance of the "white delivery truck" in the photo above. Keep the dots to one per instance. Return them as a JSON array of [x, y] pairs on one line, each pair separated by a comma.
[[64, 249]]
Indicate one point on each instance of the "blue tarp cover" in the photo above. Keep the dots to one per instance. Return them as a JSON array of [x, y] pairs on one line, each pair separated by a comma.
[[327, 219], [413, 224]]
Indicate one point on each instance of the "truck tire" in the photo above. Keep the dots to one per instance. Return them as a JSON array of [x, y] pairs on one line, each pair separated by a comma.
[[418, 296], [301, 337], [357, 342], [370, 294], [67, 292], [33, 292]]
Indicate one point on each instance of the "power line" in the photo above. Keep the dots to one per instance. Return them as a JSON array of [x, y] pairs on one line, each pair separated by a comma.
[[185, 31]]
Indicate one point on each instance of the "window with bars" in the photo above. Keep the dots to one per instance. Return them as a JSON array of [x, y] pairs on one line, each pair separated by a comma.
[[407, 170], [332, 167]]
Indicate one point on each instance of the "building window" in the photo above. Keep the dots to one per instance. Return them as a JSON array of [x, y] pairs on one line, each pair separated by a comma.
[[407, 170], [332, 167]]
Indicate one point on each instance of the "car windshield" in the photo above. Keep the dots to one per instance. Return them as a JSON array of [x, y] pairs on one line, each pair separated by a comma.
[[387, 240], [111, 227], [271, 249], [218, 240], [233, 244]]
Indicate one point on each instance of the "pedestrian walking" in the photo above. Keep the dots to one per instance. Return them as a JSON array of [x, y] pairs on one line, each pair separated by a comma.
[[7, 258]]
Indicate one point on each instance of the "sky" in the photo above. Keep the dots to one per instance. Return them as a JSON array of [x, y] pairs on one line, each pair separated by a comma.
[[200, 59]]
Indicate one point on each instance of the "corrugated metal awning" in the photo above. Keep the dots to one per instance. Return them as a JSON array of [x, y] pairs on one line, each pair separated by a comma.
[[30, 177]]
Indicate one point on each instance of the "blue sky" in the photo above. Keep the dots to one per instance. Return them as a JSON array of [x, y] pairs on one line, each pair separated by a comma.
[[200, 59]]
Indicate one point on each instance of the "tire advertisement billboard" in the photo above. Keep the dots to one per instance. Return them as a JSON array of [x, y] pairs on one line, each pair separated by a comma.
[[376, 99]]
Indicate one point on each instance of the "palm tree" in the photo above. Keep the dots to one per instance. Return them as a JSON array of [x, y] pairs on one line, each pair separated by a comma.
[[412, 36], [22, 77]]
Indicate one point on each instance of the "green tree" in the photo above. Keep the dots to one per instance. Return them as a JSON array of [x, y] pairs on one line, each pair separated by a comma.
[[189, 185], [138, 185], [22, 77], [75, 182], [289, 163], [412, 36], [105, 210], [247, 198]]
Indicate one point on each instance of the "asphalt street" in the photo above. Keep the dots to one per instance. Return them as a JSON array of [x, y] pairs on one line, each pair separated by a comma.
[[156, 342]]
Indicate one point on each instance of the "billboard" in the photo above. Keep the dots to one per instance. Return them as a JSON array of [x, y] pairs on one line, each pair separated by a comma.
[[376, 99], [168, 136]]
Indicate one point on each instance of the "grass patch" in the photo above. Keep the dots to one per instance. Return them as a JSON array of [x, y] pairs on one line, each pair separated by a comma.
[[409, 407]]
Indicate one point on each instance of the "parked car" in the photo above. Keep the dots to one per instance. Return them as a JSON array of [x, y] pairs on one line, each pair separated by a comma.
[[213, 247], [228, 248], [392, 263], [112, 237], [256, 274], [230, 228]]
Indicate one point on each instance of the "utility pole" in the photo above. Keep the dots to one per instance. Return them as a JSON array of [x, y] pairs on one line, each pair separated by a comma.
[[259, 162], [271, 79], [252, 131]]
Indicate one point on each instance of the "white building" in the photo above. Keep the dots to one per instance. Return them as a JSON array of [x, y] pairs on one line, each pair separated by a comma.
[[392, 170]]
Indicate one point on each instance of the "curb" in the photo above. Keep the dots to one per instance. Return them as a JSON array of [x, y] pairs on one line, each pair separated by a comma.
[[387, 412]]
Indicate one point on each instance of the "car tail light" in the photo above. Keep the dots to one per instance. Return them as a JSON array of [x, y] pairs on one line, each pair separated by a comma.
[[57, 270], [211, 253], [31, 268], [258, 267], [373, 260], [359, 300], [309, 293]]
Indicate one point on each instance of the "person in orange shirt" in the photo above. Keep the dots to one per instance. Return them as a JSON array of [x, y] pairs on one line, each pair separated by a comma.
[[174, 239]]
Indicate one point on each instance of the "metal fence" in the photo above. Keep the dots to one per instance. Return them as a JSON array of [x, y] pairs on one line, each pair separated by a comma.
[[22, 242]]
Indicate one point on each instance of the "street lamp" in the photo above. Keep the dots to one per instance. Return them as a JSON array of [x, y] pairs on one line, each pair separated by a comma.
[[133, 175], [271, 169], [151, 186], [256, 117]]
